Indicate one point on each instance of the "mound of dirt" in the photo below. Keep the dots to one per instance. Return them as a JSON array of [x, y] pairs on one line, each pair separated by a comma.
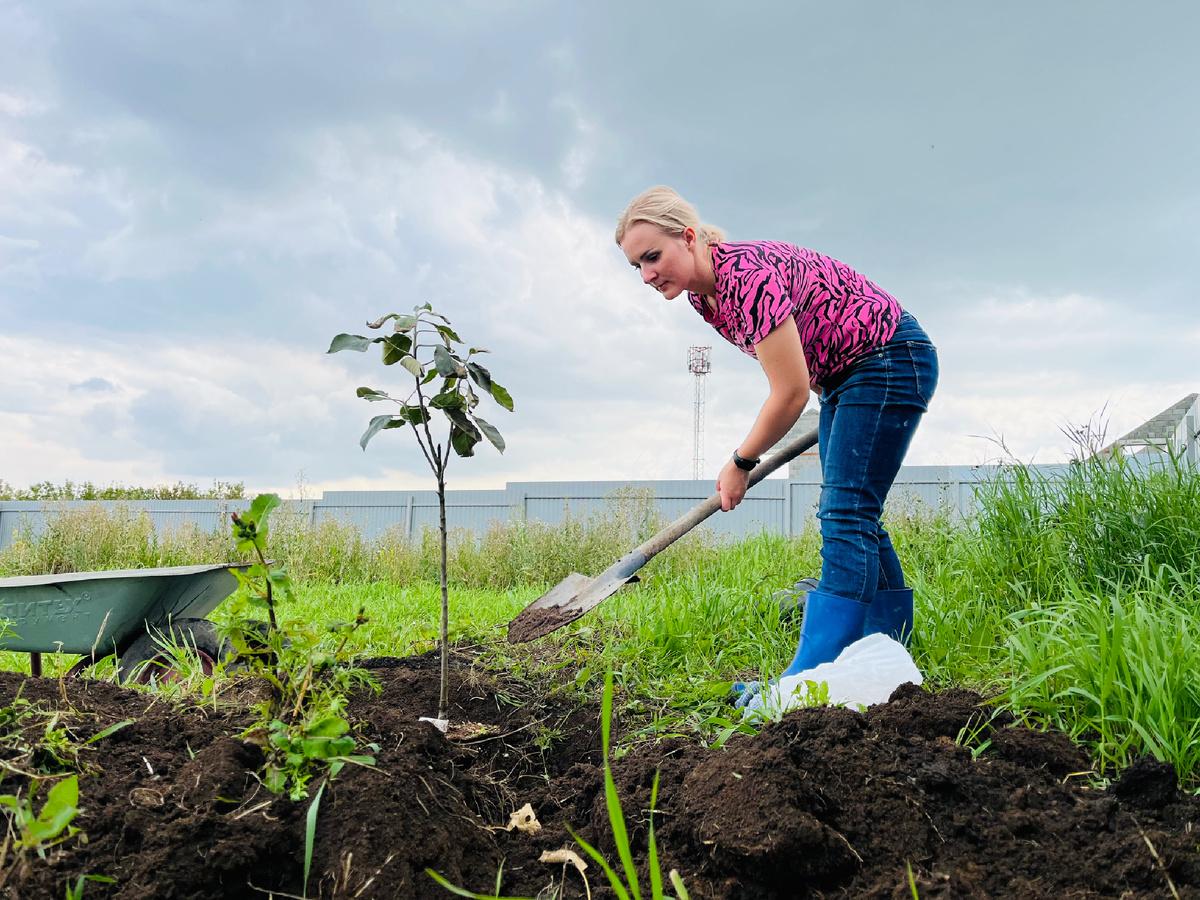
[[827, 802]]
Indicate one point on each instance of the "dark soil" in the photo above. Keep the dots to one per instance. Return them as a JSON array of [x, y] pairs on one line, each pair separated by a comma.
[[827, 802], [538, 621]]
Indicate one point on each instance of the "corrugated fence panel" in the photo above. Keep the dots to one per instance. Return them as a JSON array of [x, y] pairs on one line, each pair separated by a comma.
[[410, 512], [775, 505], [31, 516], [554, 502]]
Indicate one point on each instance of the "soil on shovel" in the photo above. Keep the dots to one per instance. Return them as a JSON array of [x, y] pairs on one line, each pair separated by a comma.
[[825, 803]]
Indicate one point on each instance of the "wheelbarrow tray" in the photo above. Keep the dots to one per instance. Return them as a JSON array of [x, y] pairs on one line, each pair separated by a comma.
[[76, 612]]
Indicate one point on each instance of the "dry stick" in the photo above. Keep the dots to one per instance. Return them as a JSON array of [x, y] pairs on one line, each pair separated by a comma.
[[1157, 859], [366, 884]]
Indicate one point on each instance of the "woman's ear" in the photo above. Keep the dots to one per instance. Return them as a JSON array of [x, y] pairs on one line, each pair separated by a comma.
[[689, 237]]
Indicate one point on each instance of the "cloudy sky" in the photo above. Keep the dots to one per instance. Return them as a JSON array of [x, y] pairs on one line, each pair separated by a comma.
[[194, 197]]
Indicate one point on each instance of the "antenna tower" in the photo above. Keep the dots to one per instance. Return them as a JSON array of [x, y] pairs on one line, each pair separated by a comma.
[[699, 366]]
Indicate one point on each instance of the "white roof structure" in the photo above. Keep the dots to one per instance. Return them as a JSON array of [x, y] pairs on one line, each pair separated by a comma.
[[1174, 430]]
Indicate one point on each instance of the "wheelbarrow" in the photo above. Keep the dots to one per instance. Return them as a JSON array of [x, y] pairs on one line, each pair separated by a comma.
[[128, 613]]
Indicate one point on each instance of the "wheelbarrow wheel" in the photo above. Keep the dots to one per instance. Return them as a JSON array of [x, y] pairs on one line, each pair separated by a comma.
[[153, 657]]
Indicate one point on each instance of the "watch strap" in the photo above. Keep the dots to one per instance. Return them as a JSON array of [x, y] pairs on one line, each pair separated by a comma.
[[744, 464]]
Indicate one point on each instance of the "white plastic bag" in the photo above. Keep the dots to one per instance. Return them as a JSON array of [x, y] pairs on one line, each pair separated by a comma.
[[864, 673]]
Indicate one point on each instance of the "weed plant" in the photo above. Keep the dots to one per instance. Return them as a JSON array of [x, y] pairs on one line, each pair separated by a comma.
[[301, 726], [38, 829]]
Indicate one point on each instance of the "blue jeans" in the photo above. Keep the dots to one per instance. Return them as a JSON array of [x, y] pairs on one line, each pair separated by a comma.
[[868, 418]]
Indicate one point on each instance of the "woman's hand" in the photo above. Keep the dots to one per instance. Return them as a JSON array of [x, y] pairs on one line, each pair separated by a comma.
[[731, 485]]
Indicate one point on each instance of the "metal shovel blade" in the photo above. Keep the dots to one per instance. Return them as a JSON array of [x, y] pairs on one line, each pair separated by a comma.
[[550, 611], [576, 594], [568, 600]]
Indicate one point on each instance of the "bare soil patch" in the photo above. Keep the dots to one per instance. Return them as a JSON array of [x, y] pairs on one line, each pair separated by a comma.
[[826, 803]]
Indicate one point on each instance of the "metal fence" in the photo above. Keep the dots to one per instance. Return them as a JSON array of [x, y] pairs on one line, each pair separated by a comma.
[[776, 505], [780, 505]]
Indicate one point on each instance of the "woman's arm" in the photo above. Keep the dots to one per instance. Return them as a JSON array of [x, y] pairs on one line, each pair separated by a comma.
[[782, 357]]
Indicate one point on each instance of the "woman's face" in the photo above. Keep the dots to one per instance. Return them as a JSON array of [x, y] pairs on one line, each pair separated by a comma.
[[666, 261]]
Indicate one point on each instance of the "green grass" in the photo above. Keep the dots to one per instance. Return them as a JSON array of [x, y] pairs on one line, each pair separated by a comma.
[[1072, 598]]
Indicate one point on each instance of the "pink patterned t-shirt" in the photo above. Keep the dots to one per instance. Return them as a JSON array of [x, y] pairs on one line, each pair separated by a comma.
[[840, 314]]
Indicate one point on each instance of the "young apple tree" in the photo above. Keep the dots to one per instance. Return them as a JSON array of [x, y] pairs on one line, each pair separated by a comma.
[[425, 345]]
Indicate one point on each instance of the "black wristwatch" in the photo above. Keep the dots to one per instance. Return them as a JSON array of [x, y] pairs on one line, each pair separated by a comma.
[[744, 464]]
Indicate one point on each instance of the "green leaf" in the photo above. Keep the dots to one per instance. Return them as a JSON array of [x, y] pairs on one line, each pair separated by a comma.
[[330, 727], [62, 805], [425, 307], [656, 888], [459, 419], [448, 400], [378, 424], [325, 748], [404, 322], [490, 433], [480, 376], [349, 342], [310, 833], [501, 396], [379, 323], [616, 817], [395, 348], [413, 366], [463, 442], [371, 394], [445, 361], [260, 508], [415, 414], [448, 333], [429, 376], [463, 892], [110, 730], [614, 880]]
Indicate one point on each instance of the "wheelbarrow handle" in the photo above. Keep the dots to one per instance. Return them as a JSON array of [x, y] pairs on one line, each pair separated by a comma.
[[698, 514]]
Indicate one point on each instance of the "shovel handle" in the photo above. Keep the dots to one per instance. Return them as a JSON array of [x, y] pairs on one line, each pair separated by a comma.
[[698, 514]]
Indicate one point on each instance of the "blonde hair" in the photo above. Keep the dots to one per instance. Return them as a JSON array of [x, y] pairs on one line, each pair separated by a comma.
[[662, 207]]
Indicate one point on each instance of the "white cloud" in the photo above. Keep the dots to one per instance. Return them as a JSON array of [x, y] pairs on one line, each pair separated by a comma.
[[163, 408], [581, 154], [35, 191], [20, 106], [375, 219]]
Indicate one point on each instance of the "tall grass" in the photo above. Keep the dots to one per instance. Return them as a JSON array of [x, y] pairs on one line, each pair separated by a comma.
[[1072, 597], [92, 538], [1075, 595], [507, 555]]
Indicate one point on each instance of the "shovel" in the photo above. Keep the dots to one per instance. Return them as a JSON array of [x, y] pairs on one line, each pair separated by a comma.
[[576, 594]]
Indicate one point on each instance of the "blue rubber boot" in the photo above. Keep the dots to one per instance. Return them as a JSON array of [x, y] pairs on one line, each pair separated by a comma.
[[891, 613], [831, 624]]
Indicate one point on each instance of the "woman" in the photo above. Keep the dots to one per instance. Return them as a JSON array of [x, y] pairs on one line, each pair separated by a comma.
[[814, 324]]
